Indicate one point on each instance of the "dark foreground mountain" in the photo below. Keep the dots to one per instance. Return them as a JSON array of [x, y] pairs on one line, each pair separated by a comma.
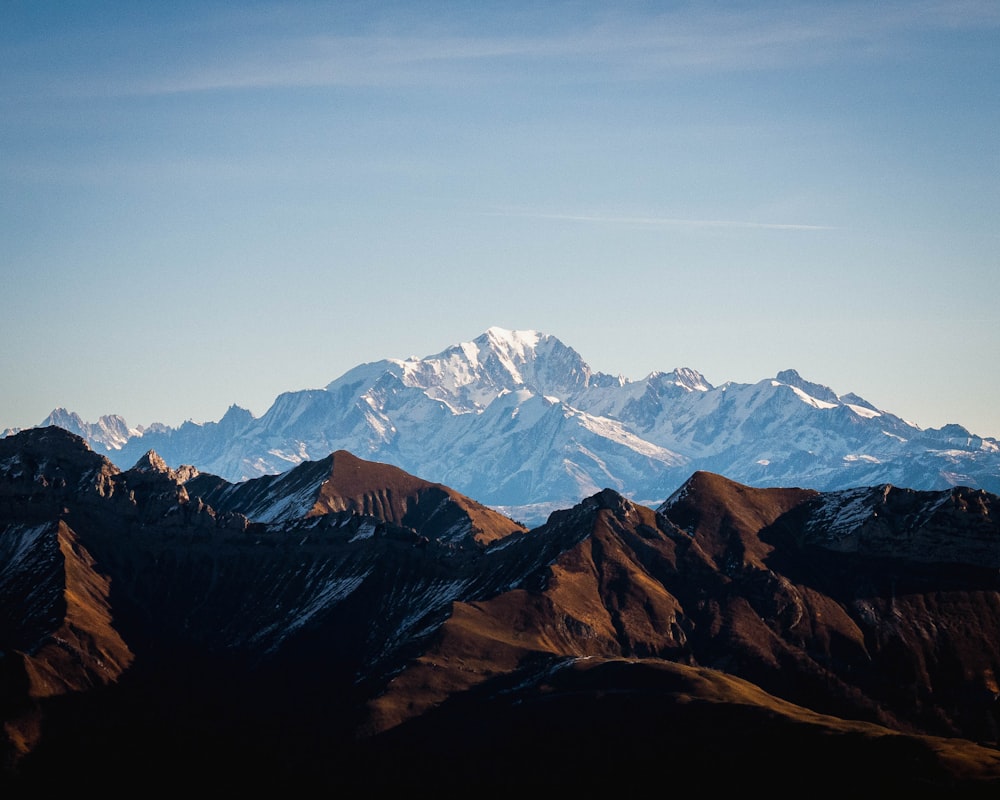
[[519, 421], [348, 627]]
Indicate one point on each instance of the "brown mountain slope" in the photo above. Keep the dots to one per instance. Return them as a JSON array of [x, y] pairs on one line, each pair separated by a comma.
[[725, 517], [77, 650], [882, 642], [342, 482], [84, 649], [389, 493], [621, 592], [603, 727], [584, 609]]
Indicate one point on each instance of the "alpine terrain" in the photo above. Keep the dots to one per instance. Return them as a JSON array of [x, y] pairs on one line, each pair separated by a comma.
[[519, 421], [346, 626]]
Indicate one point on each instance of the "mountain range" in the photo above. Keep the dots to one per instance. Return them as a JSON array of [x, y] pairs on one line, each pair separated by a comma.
[[519, 421], [347, 626]]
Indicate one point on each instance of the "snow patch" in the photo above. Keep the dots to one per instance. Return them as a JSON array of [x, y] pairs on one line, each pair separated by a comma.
[[19, 540], [281, 507], [841, 513], [328, 593], [807, 398], [861, 411]]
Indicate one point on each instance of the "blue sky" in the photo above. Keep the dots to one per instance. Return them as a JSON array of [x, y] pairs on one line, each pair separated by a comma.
[[204, 204]]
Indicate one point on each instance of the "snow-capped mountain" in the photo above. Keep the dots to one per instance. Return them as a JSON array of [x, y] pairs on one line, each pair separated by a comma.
[[519, 420], [110, 432]]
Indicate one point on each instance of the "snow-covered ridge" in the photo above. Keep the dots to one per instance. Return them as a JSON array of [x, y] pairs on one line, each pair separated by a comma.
[[110, 432], [517, 419], [841, 514]]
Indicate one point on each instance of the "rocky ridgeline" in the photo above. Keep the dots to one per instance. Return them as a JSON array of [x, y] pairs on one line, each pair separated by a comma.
[[343, 624]]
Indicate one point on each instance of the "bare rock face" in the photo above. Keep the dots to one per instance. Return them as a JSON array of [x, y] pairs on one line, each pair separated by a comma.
[[348, 626], [44, 466], [955, 526]]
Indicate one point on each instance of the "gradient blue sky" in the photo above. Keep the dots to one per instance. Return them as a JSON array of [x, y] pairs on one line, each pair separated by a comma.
[[204, 204]]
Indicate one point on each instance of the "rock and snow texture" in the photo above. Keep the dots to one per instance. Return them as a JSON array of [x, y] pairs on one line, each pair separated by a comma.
[[519, 421]]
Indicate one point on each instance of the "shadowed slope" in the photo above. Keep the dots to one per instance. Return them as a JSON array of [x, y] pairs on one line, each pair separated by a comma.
[[724, 517], [389, 493], [342, 482], [57, 636], [607, 726], [601, 597], [716, 593]]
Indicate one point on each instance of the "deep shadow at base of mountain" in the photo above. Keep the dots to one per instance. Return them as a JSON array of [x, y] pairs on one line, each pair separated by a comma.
[[193, 724], [623, 726], [592, 727]]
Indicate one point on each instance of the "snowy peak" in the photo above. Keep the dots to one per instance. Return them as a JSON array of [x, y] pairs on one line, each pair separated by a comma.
[[67, 420], [684, 377], [511, 354], [518, 344], [691, 379], [110, 432], [852, 399], [236, 417], [471, 375], [816, 390], [513, 359]]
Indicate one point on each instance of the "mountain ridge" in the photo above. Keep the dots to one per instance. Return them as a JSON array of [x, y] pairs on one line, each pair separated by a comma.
[[144, 631], [520, 421], [342, 482]]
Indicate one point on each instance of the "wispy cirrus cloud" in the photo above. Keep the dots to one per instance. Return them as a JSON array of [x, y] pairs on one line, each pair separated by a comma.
[[615, 45], [601, 43], [661, 222]]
